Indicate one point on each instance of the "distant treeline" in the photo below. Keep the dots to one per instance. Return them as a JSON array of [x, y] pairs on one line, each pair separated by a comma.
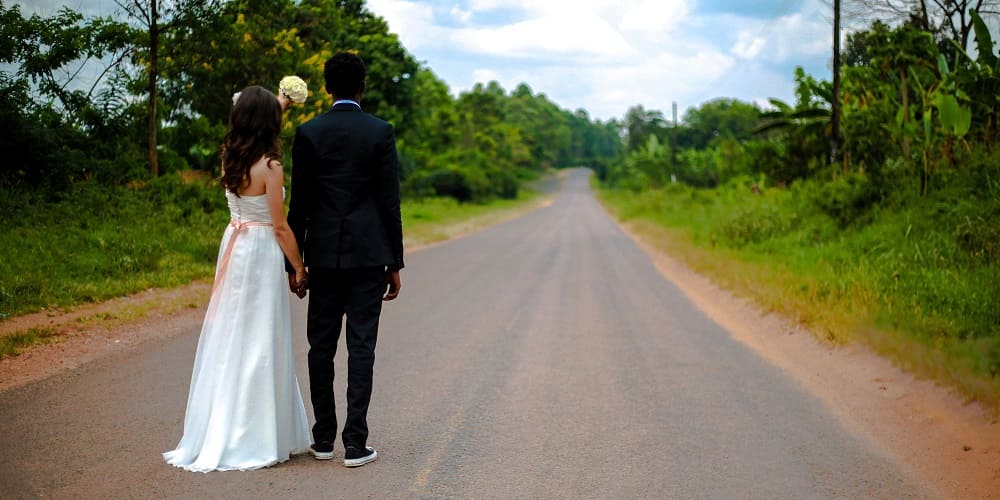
[[917, 109]]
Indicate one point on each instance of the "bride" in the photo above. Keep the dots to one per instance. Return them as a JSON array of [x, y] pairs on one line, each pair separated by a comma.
[[244, 408]]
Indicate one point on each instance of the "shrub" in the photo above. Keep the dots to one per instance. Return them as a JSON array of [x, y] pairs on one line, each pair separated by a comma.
[[847, 199]]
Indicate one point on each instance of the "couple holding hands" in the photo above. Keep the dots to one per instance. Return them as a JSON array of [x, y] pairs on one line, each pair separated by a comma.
[[245, 409]]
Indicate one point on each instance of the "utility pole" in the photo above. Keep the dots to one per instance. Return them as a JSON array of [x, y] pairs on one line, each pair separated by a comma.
[[673, 145], [835, 112]]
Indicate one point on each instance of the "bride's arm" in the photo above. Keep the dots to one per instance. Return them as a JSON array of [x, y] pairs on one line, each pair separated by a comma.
[[273, 179]]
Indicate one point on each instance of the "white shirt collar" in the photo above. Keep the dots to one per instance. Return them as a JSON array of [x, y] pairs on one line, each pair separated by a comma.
[[347, 101]]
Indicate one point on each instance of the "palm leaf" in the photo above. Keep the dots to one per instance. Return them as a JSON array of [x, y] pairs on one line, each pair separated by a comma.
[[984, 42], [781, 105], [809, 113], [771, 126]]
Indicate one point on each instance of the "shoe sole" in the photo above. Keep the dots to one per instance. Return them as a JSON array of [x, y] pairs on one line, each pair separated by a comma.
[[319, 455], [358, 462]]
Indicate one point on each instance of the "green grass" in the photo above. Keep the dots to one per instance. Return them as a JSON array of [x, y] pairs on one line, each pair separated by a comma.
[[11, 344], [918, 279], [431, 220], [100, 242]]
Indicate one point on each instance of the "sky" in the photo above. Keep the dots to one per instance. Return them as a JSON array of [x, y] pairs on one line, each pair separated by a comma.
[[606, 56]]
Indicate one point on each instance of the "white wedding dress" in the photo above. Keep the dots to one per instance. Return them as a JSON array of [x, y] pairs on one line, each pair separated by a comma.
[[244, 408]]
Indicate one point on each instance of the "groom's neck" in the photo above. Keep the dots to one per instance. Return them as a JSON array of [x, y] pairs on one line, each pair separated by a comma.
[[356, 98]]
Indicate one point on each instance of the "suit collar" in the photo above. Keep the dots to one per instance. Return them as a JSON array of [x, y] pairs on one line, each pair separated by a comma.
[[346, 105]]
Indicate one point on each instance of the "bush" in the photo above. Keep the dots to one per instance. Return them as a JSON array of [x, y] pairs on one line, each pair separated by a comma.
[[847, 199], [465, 176]]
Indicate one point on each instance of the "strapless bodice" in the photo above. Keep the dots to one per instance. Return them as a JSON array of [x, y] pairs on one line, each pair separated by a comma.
[[248, 208]]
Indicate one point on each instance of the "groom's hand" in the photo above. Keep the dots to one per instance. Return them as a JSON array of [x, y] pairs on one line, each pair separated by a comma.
[[298, 287], [303, 285], [392, 284]]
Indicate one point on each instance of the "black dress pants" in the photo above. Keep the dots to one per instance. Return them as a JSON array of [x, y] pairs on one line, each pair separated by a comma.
[[333, 294]]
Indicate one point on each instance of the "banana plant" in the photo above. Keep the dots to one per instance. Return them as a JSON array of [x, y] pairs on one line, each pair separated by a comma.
[[785, 117], [983, 76], [954, 116]]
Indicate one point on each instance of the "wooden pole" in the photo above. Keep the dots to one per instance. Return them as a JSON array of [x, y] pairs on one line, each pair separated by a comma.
[[835, 114]]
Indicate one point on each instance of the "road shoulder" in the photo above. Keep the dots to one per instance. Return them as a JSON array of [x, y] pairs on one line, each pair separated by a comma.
[[952, 444]]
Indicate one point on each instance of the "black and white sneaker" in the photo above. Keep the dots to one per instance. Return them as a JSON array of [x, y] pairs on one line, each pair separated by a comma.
[[354, 457], [322, 450]]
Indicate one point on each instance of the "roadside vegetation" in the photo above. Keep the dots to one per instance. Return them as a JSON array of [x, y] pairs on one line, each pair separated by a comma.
[[107, 187], [99, 242], [895, 243]]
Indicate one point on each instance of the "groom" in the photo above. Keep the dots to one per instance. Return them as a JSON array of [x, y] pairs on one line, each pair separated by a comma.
[[344, 211]]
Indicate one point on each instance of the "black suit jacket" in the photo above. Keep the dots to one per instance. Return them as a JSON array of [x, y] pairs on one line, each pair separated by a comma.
[[344, 207]]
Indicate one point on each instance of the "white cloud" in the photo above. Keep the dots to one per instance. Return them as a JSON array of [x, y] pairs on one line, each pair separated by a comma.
[[794, 36], [608, 55], [412, 21], [484, 75], [653, 16], [461, 15], [579, 34], [748, 46]]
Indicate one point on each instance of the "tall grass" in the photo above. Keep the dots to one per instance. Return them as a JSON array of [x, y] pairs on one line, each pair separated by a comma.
[[917, 278], [97, 242]]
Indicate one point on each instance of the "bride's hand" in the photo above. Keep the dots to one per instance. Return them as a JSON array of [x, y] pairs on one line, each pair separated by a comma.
[[301, 283], [284, 101]]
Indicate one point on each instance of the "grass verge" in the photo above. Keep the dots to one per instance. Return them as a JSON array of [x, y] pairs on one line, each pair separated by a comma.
[[901, 281], [432, 220], [98, 242], [12, 344]]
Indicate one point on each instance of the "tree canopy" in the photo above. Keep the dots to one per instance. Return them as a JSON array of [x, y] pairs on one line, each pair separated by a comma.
[[162, 100]]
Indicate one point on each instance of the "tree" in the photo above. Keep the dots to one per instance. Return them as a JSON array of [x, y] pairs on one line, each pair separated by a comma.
[[48, 117], [719, 118], [948, 18], [157, 18], [51, 52], [639, 124], [328, 26]]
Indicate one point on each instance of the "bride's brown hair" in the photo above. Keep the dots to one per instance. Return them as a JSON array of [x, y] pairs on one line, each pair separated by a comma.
[[254, 131]]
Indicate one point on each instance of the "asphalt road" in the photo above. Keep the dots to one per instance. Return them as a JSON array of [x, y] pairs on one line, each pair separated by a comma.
[[541, 358]]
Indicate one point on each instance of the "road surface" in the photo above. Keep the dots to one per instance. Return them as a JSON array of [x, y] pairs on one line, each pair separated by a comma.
[[541, 358]]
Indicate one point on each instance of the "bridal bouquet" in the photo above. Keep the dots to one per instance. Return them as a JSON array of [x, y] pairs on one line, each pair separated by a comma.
[[294, 88]]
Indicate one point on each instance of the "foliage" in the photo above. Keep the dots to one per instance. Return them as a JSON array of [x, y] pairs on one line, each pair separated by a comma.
[[99, 241], [924, 269], [199, 52], [491, 140], [899, 234], [76, 189]]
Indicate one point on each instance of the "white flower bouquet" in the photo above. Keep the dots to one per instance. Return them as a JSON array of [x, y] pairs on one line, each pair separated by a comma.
[[294, 88]]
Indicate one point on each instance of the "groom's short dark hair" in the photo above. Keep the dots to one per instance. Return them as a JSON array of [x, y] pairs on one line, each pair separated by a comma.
[[344, 74]]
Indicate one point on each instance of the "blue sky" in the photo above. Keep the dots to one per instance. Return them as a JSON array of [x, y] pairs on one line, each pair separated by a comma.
[[607, 55]]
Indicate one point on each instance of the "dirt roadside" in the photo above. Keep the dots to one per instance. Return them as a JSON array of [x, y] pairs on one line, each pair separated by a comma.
[[92, 331], [953, 444]]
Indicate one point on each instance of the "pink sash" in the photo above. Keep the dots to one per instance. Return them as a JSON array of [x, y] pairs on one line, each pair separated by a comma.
[[240, 226]]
